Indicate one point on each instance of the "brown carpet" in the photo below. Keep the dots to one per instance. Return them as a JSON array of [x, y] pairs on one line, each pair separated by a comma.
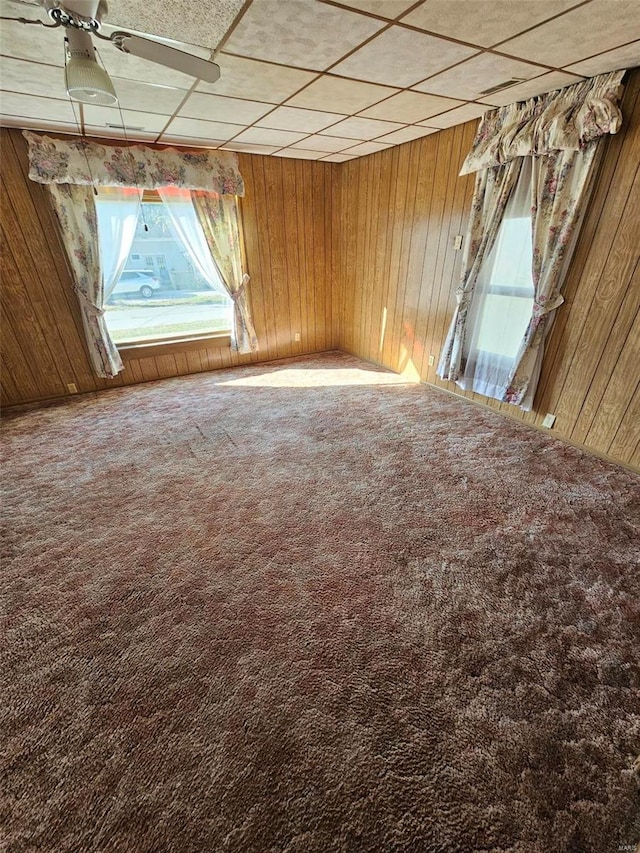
[[307, 608]]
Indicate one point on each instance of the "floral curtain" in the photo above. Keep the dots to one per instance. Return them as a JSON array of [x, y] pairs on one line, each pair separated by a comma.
[[490, 197], [218, 215], [565, 119], [560, 187], [559, 132], [76, 211], [80, 161]]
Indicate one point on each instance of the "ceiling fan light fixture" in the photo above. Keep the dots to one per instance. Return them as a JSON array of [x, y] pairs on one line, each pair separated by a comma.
[[88, 83]]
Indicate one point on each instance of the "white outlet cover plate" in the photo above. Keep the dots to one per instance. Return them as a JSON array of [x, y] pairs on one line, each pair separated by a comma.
[[548, 421]]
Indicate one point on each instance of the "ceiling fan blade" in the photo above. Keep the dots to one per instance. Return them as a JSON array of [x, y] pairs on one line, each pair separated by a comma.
[[154, 51]]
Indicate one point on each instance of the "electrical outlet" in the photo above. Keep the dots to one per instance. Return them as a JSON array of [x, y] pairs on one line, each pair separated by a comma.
[[72, 388], [432, 358], [548, 420], [457, 242], [297, 336]]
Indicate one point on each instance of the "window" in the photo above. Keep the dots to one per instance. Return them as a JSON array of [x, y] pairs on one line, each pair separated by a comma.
[[159, 295], [503, 298]]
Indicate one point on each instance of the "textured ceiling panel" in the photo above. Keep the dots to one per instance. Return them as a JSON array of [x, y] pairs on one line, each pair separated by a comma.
[[29, 42], [400, 57], [338, 158], [202, 22], [289, 33], [546, 83], [145, 122], [410, 107], [622, 57], [201, 129], [19, 75], [484, 22], [30, 106], [258, 81], [361, 128], [265, 136], [406, 134], [337, 93], [389, 9], [333, 79], [367, 148], [469, 79], [457, 116], [291, 118], [228, 110], [300, 154], [600, 26], [330, 144]]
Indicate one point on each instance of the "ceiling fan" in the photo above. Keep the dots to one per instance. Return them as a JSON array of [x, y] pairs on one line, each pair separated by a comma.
[[86, 80]]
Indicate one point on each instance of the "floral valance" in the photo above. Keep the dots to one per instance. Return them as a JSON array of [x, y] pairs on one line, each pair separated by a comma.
[[79, 161], [566, 119]]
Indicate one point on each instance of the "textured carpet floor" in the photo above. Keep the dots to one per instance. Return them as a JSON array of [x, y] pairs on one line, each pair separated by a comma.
[[307, 608]]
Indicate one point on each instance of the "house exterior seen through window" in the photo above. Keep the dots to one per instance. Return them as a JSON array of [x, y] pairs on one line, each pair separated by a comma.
[[160, 295]]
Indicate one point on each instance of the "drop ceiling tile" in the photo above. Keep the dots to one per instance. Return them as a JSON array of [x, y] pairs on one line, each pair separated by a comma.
[[247, 148], [600, 25], [407, 134], [306, 121], [367, 148], [142, 122], [338, 158], [457, 116], [36, 108], [257, 81], [410, 107], [227, 110], [361, 128], [483, 22], [545, 83], [265, 136], [147, 97], [30, 42], [196, 128], [472, 77], [389, 9], [300, 154], [338, 93], [330, 144], [31, 78], [401, 57], [627, 56], [179, 19], [304, 33], [38, 124]]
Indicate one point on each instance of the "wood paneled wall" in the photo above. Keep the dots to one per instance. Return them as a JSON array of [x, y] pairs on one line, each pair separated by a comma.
[[360, 256], [288, 229], [400, 210]]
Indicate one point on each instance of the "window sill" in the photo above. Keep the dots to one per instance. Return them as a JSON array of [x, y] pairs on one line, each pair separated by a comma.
[[148, 349]]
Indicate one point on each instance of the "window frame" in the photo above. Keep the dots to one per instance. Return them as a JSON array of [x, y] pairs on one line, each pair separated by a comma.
[[132, 350]]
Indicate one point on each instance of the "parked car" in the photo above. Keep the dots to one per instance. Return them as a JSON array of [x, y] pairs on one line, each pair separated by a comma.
[[143, 282]]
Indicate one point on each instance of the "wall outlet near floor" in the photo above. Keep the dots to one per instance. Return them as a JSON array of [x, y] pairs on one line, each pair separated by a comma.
[[457, 242], [297, 336], [548, 421], [432, 359], [72, 388]]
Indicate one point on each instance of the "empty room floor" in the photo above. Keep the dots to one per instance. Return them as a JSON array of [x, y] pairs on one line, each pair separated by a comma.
[[307, 607]]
